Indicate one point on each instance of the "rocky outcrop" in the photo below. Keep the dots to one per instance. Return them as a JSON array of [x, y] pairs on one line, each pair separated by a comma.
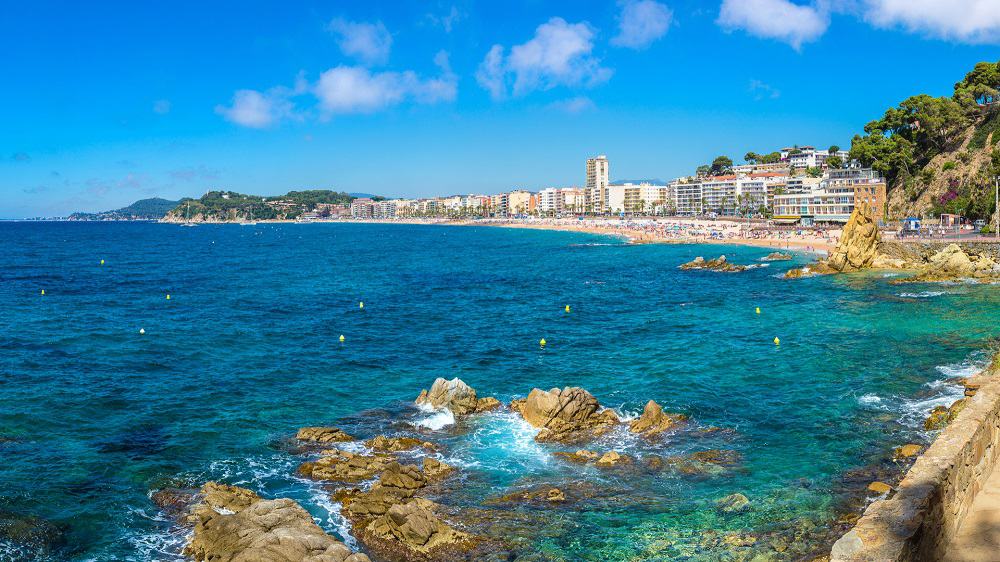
[[342, 466], [776, 256], [581, 456], [235, 525], [436, 470], [859, 242], [718, 264], [654, 421], [386, 444], [453, 395], [700, 463], [566, 415], [941, 416], [614, 459], [323, 435], [487, 404], [415, 528], [953, 263]]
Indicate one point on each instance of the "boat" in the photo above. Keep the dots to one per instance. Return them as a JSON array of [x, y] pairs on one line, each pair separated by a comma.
[[249, 221], [188, 221]]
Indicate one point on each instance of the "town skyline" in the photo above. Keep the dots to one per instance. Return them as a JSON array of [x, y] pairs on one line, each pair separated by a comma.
[[449, 97]]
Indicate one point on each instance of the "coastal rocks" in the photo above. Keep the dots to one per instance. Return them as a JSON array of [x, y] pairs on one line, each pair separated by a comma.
[[235, 525], [540, 495], [34, 538], [907, 451], [720, 264], [386, 444], [654, 421], [614, 459], [953, 263], [487, 404], [703, 463], [859, 242], [941, 416], [776, 256], [453, 395], [581, 456], [565, 415], [437, 470], [733, 503], [879, 488], [415, 526], [323, 435], [343, 466]]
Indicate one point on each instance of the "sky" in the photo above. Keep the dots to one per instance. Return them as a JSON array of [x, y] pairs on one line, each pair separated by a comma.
[[109, 102]]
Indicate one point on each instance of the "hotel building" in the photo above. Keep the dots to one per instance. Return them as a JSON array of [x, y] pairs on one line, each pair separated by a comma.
[[597, 184]]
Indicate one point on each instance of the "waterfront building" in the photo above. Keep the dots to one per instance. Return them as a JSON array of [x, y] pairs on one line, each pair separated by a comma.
[[597, 184], [362, 208], [808, 157], [644, 197], [551, 201], [519, 202], [688, 197], [384, 209], [835, 198]]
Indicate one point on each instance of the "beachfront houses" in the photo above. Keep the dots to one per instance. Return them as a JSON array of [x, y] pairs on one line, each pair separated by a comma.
[[642, 197], [362, 208], [833, 198], [803, 157]]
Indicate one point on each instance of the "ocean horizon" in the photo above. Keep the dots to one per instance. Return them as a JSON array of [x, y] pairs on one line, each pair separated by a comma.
[[111, 391]]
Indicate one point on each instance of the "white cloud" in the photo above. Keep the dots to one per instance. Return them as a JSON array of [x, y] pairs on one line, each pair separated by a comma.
[[970, 21], [575, 105], [447, 21], [161, 107], [355, 89], [762, 90], [254, 109], [558, 55], [783, 20], [641, 23], [368, 42]]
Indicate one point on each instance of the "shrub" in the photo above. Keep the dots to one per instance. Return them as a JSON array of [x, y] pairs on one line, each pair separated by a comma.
[[949, 165]]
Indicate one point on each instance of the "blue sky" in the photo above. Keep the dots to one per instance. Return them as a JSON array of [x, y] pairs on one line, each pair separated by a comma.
[[106, 103]]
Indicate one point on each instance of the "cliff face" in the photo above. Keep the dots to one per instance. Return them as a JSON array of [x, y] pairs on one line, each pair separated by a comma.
[[959, 180]]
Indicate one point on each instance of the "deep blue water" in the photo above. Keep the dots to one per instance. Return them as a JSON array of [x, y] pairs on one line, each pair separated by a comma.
[[94, 415]]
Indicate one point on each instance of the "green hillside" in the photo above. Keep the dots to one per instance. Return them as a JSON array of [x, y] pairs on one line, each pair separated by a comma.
[[233, 206], [143, 209]]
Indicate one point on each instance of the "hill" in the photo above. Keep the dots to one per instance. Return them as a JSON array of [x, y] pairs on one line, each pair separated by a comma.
[[939, 154], [143, 209], [230, 206]]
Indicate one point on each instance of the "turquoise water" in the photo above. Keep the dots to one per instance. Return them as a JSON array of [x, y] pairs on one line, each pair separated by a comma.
[[95, 416]]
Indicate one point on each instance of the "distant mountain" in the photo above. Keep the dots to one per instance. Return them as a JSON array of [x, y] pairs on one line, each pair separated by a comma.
[[143, 209], [363, 195]]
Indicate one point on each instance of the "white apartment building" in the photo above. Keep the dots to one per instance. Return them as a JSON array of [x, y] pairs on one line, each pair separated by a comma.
[[808, 157], [597, 184], [574, 200], [362, 208], [384, 209], [551, 201], [688, 197], [834, 198], [638, 198]]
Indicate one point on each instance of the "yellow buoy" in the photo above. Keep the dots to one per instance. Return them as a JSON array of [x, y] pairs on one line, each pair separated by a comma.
[[777, 341], [102, 262], [758, 310], [567, 308], [142, 330], [341, 337], [361, 304], [168, 296], [542, 342], [43, 291]]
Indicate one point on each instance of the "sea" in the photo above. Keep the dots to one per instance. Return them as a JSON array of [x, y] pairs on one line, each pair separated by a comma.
[[110, 390]]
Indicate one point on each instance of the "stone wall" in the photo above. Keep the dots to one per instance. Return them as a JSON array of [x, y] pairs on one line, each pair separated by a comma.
[[923, 514]]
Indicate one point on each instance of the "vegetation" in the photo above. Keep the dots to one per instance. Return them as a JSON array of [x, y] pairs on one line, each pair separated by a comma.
[[229, 205], [721, 165], [835, 162], [144, 209], [754, 158], [906, 138]]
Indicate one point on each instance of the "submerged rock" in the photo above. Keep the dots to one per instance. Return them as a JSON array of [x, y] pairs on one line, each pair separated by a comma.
[[703, 463], [323, 435], [342, 466], [734, 503], [581, 456], [234, 524], [718, 264], [907, 451], [453, 395], [566, 415], [654, 421], [776, 256], [613, 459], [35, 538]]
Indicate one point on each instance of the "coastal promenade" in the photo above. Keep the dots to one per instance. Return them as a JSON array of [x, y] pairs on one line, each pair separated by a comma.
[[978, 537]]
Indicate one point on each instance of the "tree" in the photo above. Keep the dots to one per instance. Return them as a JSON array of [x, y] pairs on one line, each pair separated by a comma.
[[703, 170], [770, 158], [981, 86], [721, 164], [751, 157], [835, 162], [814, 172], [834, 149]]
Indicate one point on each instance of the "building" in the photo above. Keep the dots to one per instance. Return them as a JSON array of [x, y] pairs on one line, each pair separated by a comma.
[[519, 202], [362, 208], [804, 157], [642, 197], [688, 197], [835, 198], [597, 184], [384, 210]]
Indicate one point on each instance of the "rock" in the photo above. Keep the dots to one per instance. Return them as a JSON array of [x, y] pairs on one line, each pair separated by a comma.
[[436, 470], [702, 463], [653, 421], [970, 390], [909, 450], [397, 444], [273, 530], [487, 404], [568, 415], [953, 263], [342, 466], [174, 501], [812, 270], [453, 395], [612, 458], [859, 242], [415, 527], [403, 477], [33, 538], [323, 435], [879, 488], [938, 419], [582, 456], [739, 539], [734, 503], [517, 405], [776, 256], [883, 261], [718, 264], [544, 494]]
